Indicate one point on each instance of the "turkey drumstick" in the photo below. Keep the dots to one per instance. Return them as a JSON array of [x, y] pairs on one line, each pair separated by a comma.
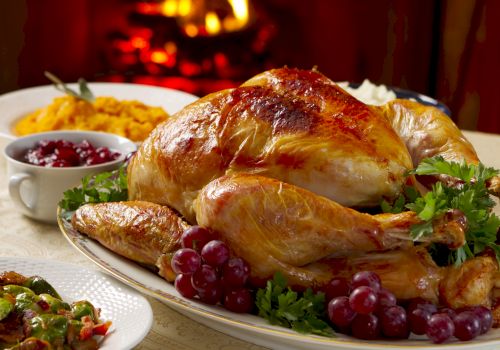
[[276, 226], [149, 234]]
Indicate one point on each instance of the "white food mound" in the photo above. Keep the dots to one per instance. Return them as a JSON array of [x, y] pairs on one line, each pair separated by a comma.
[[370, 93]]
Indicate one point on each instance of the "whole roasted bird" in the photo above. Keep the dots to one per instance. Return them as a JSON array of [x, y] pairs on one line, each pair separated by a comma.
[[278, 168]]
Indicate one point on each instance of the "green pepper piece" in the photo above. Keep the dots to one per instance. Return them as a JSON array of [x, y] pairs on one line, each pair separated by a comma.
[[48, 327], [83, 308], [40, 286], [27, 301], [5, 308], [54, 303], [15, 289]]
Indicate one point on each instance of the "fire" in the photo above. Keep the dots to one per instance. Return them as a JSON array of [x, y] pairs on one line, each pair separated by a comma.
[[240, 10], [169, 8], [184, 7], [203, 17], [212, 23]]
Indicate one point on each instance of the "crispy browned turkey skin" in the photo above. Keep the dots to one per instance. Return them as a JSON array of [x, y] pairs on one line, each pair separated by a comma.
[[276, 167], [309, 133], [150, 233], [142, 231]]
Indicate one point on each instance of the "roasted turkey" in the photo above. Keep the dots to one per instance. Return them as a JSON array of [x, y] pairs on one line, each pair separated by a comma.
[[279, 168]]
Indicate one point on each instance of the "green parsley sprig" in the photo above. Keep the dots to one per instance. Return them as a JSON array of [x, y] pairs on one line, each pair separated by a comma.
[[302, 312], [103, 187], [470, 196]]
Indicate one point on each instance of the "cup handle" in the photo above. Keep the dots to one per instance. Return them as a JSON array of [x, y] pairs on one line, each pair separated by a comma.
[[15, 182]]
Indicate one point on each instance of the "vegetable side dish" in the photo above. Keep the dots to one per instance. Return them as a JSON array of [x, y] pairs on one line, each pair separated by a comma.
[[33, 316], [130, 119]]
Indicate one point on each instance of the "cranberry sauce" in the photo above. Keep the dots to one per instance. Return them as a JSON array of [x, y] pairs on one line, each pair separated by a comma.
[[62, 153]]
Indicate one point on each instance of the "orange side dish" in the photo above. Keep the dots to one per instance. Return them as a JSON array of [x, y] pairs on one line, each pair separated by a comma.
[[131, 119]]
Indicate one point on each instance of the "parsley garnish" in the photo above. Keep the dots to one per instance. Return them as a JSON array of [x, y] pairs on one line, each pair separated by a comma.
[[301, 312], [471, 197], [104, 187]]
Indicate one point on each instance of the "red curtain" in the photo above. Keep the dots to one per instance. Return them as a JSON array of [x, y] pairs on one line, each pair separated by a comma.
[[469, 63]]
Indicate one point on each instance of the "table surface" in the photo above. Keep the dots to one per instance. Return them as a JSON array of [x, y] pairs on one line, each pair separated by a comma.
[[24, 237]]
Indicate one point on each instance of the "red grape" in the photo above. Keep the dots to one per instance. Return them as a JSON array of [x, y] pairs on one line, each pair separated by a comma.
[[422, 304], [195, 237], [448, 311], [394, 322], [235, 272], [363, 300], [485, 316], [467, 325], [238, 300], [340, 312], [418, 319], [366, 278], [185, 260], [204, 278], [365, 326], [184, 287], [385, 299], [212, 294], [215, 253], [440, 328], [337, 287]]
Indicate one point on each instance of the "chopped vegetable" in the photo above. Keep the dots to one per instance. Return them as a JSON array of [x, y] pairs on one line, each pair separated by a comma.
[[46, 320], [6, 308], [82, 309], [303, 312], [39, 285]]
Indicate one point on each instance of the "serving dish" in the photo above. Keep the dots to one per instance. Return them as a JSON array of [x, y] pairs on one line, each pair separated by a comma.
[[17, 104], [398, 93], [129, 312], [244, 326], [36, 190]]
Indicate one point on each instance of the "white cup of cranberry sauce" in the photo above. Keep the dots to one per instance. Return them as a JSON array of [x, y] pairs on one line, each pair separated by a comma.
[[37, 189]]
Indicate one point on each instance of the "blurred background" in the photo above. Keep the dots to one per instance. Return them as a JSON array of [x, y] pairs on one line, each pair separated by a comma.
[[447, 49]]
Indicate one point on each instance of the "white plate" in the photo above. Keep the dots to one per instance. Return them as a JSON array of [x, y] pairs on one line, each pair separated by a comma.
[[17, 104], [129, 312], [247, 327]]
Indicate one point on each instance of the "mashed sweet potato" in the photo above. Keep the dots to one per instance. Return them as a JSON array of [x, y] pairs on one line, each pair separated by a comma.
[[131, 119]]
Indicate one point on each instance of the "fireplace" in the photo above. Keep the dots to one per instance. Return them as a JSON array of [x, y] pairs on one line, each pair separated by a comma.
[[198, 46]]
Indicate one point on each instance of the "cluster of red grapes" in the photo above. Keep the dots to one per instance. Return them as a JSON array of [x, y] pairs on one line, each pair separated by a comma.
[[63, 153], [367, 311], [206, 271]]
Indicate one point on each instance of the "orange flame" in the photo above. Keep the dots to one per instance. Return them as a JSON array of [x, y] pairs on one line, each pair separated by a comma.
[[200, 17], [212, 23]]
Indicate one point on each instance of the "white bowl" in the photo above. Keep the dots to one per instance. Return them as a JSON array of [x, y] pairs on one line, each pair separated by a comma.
[[36, 190], [17, 104]]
